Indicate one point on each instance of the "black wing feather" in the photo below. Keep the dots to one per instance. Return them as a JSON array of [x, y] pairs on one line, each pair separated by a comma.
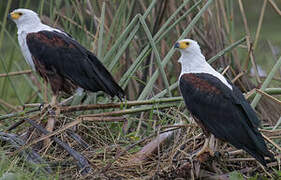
[[239, 98], [223, 112], [59, 52]]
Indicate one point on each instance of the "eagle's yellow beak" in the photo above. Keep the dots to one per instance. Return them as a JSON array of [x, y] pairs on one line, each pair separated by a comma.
[[181, 45], [14, 15]]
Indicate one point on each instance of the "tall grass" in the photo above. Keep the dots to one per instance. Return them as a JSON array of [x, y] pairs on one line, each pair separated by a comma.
[[134, 40]]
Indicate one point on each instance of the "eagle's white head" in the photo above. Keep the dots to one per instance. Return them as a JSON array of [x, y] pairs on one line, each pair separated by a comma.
[[188, 46], [24, 18], [193, 61], [190, 52]]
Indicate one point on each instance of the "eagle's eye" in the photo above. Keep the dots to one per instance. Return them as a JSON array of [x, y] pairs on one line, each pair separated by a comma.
[[187, 43], [20, 13]]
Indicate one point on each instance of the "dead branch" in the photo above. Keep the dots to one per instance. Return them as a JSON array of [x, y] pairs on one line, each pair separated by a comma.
[[16, 73], [118, 105], [275, 7], [105, 119], [18, 114], [126, 111], [269, 96], [82, 162], [29, 154], [78, 139], [270, 141], [130, 147], [151, 147]]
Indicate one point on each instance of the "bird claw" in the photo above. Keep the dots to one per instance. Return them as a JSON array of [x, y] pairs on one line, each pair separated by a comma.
[[43, 106], [207, 150], [217, 154], [51, 109], [54, 111]]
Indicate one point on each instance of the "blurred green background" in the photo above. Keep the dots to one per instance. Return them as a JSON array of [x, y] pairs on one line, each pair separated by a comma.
[[268, 47]]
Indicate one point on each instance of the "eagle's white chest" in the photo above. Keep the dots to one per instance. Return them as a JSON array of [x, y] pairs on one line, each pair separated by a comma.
[[194, 63], [24, 49]]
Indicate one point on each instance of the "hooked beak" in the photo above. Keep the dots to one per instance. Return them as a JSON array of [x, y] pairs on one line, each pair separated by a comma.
[[177, 45]]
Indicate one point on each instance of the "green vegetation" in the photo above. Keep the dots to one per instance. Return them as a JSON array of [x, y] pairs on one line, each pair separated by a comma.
[[16, 169], [134, 40]]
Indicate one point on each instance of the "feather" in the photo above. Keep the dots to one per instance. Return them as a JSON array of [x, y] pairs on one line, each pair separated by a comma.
[[223, 112], [62, 55]]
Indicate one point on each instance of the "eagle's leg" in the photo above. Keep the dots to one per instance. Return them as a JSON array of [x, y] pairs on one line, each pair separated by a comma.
[[46, 106], [208, 147], [54, 100], [209, 144], [212, 145], [51, 120]]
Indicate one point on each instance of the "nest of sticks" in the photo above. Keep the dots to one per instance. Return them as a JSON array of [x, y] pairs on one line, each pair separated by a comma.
[[99, 145]]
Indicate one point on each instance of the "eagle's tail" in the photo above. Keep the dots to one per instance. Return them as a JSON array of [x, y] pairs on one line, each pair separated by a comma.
[[104, 78], [257, 148]]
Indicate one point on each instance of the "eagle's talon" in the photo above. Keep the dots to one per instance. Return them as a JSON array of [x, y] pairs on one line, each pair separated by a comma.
[[208, 148], [44, 107], [226, 154], [41, 106], [217, 154]]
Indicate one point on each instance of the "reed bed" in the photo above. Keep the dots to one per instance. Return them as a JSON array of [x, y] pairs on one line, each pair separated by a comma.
[[150, 135]]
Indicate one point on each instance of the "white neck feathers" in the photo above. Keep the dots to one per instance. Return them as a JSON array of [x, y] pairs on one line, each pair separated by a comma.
[[194, 62]]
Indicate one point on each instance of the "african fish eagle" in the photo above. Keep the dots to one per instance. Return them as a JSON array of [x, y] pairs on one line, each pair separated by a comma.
[[218, 106], [59, 59]]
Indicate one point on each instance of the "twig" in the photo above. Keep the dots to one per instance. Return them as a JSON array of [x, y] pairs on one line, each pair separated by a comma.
[[16, 73], [30, 155], [250, 93], [270, 141], [225, 69], [277, 124], [8, 105], [105, 119], [16, 114], [275, 7], [180, 126], [227, 49], [78, 139], [94, 117], [151, 147], [260, 24], [127, 111], [13, 126], [249, 45], [66, 101], [237, 77], [266, 82], [271, 91], [76, 24], [131, 146], [82, 162], [118, 105], [248, 159], [32, 105], [240, 151], [268, 96], [274, 54], [264, 77]]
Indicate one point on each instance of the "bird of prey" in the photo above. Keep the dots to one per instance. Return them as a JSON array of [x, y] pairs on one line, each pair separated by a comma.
[[59, 59], [218, 106]]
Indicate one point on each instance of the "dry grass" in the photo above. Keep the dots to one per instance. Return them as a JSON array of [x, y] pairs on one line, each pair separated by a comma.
[[115, 156]]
